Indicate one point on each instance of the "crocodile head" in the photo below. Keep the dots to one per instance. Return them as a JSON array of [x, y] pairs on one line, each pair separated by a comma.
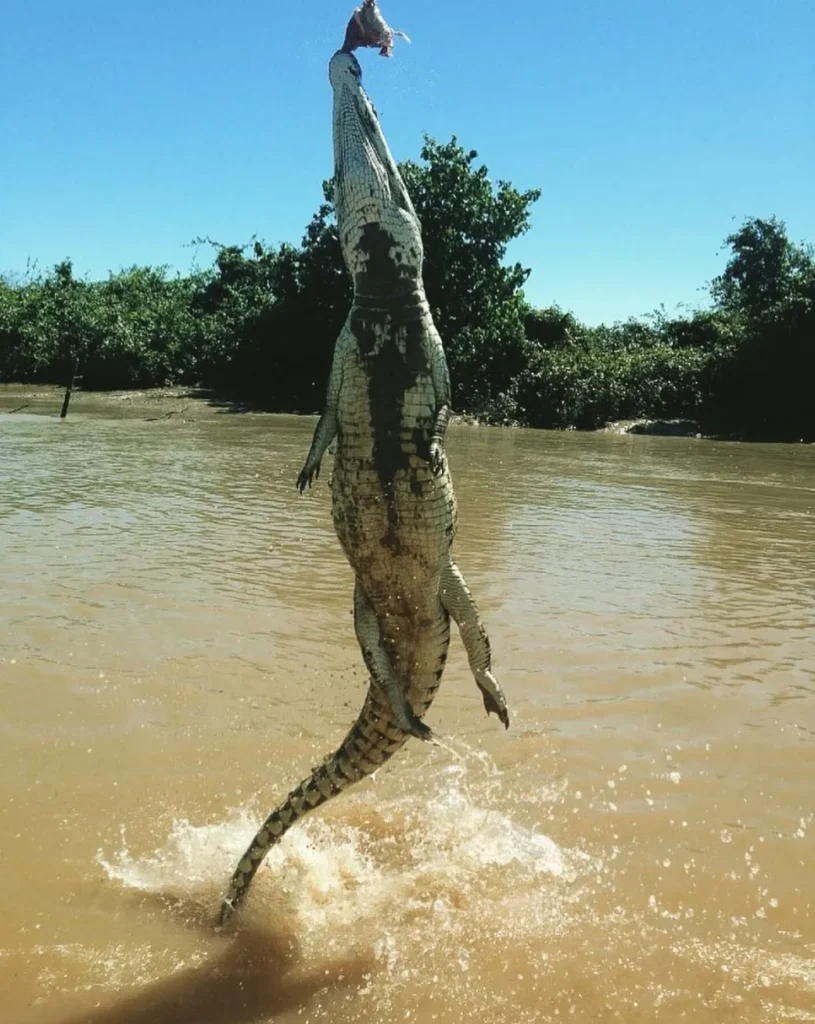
[[379, 230]]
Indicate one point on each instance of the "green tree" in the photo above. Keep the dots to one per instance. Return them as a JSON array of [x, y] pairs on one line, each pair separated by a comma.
[[152, 333], [552, 328], [68, 325], [764, 268], [761, 379], [273, 316], [476, 298], [278, 311]]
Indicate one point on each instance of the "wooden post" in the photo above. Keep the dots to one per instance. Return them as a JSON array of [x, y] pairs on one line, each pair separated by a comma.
[[68, 390]]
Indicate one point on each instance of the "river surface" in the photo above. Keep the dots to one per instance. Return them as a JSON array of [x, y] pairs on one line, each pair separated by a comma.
[[176, 651]]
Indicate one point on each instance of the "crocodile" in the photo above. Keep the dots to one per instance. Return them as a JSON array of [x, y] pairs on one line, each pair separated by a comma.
[[394, 509]]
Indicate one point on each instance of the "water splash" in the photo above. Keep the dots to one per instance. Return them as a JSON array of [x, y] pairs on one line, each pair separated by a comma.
[[390, 860], [192, 855], [448, 879]]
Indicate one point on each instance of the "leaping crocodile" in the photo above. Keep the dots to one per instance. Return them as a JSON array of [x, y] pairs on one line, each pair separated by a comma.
[[394, 510]]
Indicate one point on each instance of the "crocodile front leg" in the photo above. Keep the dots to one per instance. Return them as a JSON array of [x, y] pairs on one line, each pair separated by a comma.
[[440, 421], [323, 436], [457, 599], [369, 635], [440, 376], [326, 429]]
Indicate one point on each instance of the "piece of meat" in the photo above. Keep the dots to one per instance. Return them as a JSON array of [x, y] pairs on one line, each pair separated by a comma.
[[367, 27]]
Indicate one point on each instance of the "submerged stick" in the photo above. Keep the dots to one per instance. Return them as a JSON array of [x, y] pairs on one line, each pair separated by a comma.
[[69, 390]]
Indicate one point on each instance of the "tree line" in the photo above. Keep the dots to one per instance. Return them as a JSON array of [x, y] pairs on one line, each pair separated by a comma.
[[261, 322]]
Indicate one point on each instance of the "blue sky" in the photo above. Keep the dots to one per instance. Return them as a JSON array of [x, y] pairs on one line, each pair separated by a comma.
[[652, 126]]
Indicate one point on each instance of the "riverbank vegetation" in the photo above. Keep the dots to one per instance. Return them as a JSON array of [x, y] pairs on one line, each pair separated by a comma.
[[261, 322]]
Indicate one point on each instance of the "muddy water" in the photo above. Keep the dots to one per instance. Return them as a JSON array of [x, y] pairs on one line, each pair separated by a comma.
[[176, 650]]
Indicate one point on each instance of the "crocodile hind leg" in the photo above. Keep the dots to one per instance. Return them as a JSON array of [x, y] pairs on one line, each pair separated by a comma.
[[369, 635], [457, 599], [373, 738]]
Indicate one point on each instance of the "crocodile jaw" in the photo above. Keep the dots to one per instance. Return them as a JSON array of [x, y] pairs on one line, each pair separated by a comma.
[[369, 191]]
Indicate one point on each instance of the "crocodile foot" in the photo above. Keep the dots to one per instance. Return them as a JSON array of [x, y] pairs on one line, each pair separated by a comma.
[[494, 699], [308, 472], [436, 458], [420, 730], [406, 718]]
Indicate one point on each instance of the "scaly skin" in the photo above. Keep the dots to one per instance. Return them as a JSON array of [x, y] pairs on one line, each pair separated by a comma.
[[394, 509]]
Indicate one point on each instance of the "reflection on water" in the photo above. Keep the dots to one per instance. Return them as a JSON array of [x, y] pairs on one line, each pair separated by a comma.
[[177, 649]]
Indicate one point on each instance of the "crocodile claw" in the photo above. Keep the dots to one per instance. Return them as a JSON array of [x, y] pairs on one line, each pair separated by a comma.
[[436, 458], [494, 700], [494, 708], [420, 730], [407, 720], [227, 910], [306, 475]]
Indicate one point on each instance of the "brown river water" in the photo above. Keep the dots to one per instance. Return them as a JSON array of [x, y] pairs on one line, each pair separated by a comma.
[[176, 651]]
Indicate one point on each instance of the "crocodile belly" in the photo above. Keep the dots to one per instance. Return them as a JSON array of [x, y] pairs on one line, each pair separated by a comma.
[[397, 534]]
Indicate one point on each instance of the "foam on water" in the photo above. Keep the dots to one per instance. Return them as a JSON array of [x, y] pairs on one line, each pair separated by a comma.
[[192, 855], [448, 880], [403, 881], [412, 850]]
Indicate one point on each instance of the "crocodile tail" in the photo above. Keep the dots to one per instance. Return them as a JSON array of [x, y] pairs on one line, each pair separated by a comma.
[[370, 743]]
